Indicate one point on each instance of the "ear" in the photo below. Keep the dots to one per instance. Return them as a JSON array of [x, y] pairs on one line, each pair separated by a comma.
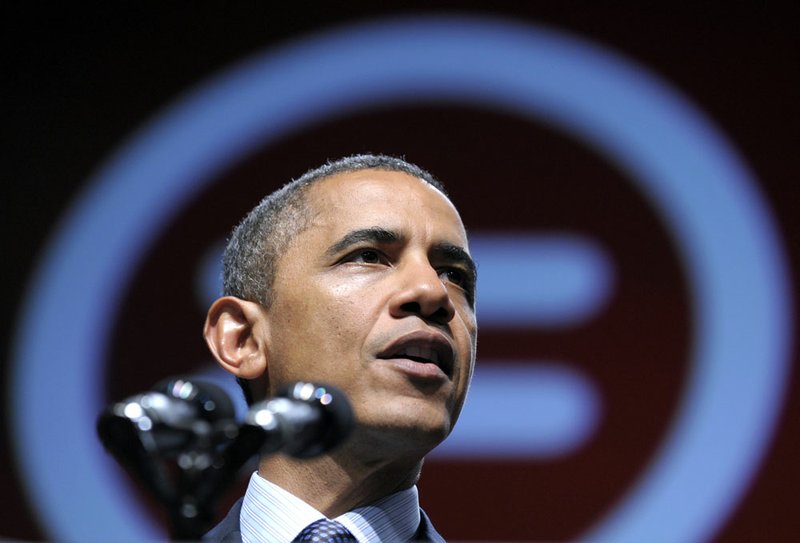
[[236, 333]]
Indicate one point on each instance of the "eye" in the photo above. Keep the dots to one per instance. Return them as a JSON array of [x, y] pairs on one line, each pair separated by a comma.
[[455, 276], [366, 256], [462, 279]]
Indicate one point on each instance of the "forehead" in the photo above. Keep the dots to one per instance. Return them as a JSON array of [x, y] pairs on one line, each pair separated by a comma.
[[394, 200]]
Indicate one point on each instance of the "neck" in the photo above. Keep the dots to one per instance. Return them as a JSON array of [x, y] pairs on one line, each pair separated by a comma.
[[342, 480]]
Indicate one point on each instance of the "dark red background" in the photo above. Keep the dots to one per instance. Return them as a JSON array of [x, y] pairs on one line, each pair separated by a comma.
[[83, 80]]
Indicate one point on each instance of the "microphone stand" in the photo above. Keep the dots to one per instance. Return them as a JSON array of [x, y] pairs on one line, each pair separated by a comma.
[[174, 440], [191, 512], [203, 477]]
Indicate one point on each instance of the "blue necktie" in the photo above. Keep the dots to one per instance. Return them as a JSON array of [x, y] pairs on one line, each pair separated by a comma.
[[325, 531]]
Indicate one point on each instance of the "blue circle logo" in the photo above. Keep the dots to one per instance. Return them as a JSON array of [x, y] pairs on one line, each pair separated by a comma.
[[677, 158]]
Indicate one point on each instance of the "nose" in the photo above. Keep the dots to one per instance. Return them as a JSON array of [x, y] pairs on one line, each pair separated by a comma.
[[422, 293]]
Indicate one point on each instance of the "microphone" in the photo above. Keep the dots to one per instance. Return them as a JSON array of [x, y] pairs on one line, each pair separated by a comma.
[[303, 421], [177, 415], [189, 425]]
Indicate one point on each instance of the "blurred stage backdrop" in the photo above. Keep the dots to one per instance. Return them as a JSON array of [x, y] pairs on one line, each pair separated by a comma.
[[628, 176]]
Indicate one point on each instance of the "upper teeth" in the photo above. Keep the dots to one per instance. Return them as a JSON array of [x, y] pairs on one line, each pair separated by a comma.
[[421, 352]]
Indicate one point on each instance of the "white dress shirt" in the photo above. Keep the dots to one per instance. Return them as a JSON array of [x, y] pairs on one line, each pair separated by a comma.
[[270, 514]]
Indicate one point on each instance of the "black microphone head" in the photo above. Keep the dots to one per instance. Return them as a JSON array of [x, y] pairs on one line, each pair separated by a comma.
[[211, 401], [336, 422], [179, 413], [119, 434]]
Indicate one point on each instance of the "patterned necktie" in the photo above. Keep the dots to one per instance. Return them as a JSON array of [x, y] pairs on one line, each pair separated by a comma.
[[325, 531]]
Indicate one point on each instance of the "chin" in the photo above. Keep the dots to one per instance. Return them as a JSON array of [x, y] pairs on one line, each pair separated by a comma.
[[411, 430]]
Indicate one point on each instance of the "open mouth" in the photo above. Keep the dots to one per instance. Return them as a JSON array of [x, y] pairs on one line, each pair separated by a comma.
[[423, 349]]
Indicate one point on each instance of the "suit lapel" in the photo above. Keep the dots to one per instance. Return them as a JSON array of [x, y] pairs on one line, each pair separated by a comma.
[[227, 531]]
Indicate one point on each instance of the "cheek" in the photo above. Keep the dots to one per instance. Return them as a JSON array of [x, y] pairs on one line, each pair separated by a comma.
[[349, 284], [339, 318], [347, 326], [469, 327], [352, 301], [468, 346]]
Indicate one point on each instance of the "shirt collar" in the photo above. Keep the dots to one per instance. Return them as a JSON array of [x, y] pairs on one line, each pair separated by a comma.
[[271, 514]]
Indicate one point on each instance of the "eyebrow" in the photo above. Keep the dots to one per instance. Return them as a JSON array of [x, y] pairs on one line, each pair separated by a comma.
[[374, 234]]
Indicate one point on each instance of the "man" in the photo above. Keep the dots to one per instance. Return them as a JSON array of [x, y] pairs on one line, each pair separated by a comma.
[[356, 275]]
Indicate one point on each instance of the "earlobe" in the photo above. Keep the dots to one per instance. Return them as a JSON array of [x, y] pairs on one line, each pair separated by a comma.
[[235, 331]]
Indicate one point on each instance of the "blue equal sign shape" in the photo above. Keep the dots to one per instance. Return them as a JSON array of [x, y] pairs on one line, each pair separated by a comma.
[[545, 280], [524, 409]]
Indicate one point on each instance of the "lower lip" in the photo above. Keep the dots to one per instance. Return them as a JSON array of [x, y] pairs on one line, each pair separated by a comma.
[[419, 370]]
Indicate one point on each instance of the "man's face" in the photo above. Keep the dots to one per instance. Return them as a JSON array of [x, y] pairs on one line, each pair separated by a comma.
[[375, 297]]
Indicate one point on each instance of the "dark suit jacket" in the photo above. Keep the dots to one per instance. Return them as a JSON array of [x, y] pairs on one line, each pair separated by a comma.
[[228, 530]]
